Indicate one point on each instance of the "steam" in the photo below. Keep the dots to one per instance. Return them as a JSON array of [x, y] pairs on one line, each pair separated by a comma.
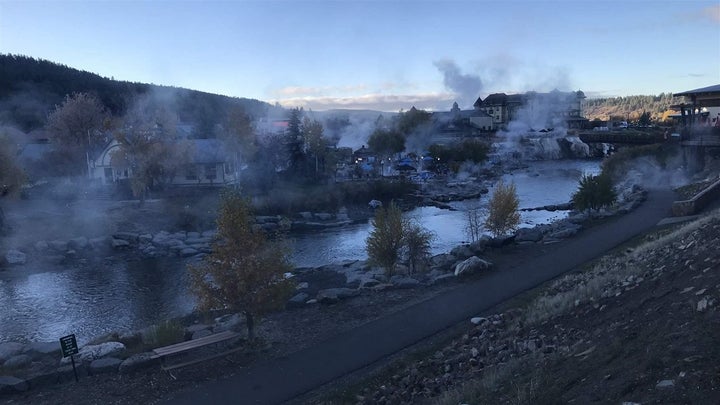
[[465, 86]]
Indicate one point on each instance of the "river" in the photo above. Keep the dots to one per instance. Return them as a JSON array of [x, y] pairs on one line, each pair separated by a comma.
[[43, 303]]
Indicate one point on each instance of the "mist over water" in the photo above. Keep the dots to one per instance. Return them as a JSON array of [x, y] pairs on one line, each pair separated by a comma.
[[42, 302]]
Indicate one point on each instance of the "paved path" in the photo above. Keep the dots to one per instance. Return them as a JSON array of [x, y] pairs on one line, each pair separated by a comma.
[[283, 379]]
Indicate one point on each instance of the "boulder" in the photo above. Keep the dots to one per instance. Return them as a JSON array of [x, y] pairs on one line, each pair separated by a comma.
[[306, 215], [145, 238], [78, 243], [58, 245], [564, 233], [119, 244], [187, 252], [39, 349], [471, 265], [462, 252], [302, 286], [192, 235], [323, 216], [528, 235], [10, 349], [104, 365], [93, 352], [99, 242], [443, 261], [500, 241], [332, 295], [21, 360], [228, 322], [9, 384], [298, 300], [15, 257], [136, 362], [41, 246], [209, 234], [130, 237], [404, 282]]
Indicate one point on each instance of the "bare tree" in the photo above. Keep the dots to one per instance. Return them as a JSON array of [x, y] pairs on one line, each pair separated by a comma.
[[474, 226], [77, 128], [245, 271], [149, 147]]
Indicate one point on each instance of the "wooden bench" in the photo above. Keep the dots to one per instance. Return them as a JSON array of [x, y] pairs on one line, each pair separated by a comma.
[[163, 353]]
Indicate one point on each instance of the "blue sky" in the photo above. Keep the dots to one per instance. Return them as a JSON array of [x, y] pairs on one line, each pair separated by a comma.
[[378, 54]]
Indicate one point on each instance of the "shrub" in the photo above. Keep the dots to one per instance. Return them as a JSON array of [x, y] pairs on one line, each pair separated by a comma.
[[386, 238], [417, 245], [165, 333], [594, 192], [503, 215]]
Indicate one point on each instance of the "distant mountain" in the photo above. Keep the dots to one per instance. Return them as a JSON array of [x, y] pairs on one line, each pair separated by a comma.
[[30, 88]]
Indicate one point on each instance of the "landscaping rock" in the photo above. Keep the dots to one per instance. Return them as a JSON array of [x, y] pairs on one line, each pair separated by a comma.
[[21, 360], [9, 384], [39, 349], [58, 245], [10, 349], [462, 252], [298, 300], [104, 365], [93, 352], [228, 322], [119, 244], [15, 257], [664, 384], [41, 246], [332, 295], [98, 243], [130, 237], [188, 251], [136, 362], [404, 282], [471, 265], [78, 243], [528, 235]]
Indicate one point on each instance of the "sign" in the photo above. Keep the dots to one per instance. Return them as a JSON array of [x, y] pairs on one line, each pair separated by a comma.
[[69, 345]]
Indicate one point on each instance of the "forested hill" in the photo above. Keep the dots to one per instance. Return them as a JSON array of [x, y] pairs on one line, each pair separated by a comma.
[[629, 107], [30, 88]]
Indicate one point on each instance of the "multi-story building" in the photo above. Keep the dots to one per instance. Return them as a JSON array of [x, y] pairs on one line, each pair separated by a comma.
[[538, 108]]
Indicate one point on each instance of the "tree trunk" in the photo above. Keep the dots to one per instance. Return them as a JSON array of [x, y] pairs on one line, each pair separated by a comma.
[[250, 321]]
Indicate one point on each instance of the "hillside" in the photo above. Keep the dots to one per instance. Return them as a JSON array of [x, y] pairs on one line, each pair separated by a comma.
[[30, 88], [637, 326], [629, 108]]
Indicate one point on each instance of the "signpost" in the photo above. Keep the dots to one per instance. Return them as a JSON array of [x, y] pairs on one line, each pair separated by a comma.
[[69, 346]]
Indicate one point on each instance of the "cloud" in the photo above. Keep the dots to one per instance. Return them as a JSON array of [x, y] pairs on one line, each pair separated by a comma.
[[373, 101], [467, 87], [301, 91], [709, 14]]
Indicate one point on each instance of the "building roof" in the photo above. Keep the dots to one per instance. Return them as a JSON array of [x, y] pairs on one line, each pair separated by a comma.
[[495, 99], [703, 90]]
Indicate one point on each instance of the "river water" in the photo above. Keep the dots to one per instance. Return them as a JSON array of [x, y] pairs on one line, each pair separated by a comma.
[[45, 302]]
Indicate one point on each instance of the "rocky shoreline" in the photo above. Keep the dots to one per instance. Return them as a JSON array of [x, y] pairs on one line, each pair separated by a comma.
[[35, 364]]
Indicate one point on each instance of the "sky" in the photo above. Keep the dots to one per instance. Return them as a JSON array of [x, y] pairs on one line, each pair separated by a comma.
[[380, 55]]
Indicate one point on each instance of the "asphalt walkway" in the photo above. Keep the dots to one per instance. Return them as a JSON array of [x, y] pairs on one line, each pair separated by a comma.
[[283, 379]]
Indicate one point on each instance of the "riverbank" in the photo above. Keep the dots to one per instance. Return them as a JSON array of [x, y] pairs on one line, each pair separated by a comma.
[[373, 297]]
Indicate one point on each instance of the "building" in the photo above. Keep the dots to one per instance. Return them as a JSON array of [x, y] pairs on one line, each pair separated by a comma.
[[536, 109], [208, 164], [702, 108]]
